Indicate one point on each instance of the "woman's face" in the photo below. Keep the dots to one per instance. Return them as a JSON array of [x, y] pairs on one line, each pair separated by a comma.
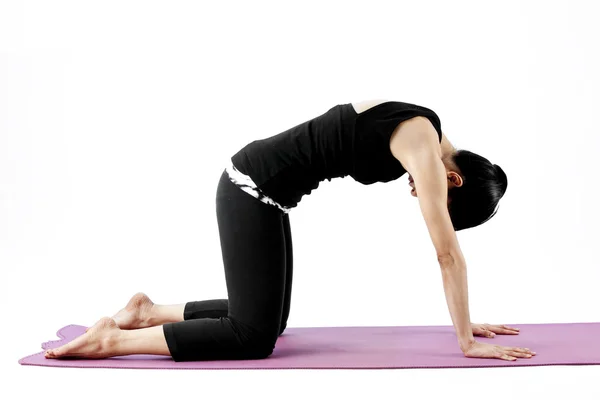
[[411, 183]]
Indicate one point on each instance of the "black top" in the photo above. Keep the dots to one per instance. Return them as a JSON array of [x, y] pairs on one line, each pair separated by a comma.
[[338, 143]]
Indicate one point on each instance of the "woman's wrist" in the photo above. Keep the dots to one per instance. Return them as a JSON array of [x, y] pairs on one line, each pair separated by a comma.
[[466, 343]]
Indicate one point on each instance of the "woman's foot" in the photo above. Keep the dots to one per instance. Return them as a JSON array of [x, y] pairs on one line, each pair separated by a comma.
[[136, 314], [99, 341]]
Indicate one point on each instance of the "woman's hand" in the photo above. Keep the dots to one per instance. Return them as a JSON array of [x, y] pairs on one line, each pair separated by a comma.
[[490, 331], [485, 350]]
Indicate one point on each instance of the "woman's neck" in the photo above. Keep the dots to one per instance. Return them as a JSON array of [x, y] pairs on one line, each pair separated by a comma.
[[447, 148]]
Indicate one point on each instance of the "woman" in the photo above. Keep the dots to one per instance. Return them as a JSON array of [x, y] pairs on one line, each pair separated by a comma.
[[372, 141]]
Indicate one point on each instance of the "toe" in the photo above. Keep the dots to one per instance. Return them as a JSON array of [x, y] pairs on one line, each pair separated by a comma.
[[107, 322], [56, 352]]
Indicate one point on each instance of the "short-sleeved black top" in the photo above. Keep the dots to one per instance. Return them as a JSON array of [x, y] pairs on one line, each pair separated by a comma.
[[335, 144]]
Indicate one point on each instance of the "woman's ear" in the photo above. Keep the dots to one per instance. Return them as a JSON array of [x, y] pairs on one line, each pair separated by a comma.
[[455, 178]]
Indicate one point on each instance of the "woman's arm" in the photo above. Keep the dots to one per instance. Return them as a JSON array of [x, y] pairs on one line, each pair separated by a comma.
[[454, 276], [429, 175], [416, 147]]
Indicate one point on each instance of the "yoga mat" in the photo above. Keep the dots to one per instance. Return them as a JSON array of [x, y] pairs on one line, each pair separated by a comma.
[[368, 348]]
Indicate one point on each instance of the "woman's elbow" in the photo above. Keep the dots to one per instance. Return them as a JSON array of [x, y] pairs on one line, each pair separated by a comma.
[[449, 258]]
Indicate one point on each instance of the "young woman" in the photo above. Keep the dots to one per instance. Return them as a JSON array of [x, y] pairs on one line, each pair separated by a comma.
[[371, 141]]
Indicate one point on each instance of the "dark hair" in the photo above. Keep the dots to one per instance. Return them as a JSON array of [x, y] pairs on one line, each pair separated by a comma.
[[476, 200]]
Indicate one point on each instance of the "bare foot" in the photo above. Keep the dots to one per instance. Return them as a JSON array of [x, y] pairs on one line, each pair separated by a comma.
[[98, 342], [136, 313]]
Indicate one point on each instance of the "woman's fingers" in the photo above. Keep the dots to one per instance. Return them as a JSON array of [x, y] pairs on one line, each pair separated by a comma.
[[519, 354], [484, 332], [513, 353], [520, 350], [503, 329], [487, 350], [509, 328], [506, 357]]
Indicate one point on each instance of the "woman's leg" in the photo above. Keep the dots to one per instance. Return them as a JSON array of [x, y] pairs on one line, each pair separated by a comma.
[[141, 312], [219, 308], [289, 258], [253, 247], [105, 339]]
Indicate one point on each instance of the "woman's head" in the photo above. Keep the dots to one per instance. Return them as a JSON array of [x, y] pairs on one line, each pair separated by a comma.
[[475, 186], [483, 185]]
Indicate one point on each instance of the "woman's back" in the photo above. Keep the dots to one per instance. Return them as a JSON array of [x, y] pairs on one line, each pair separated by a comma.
[[348, 139]]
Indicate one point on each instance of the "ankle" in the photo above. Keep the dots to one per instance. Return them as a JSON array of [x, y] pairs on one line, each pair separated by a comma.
[[112, 343], [162, 314], [154, 316]]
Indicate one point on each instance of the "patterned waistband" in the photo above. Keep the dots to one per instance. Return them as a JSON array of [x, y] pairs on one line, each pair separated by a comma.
[[246, 183]]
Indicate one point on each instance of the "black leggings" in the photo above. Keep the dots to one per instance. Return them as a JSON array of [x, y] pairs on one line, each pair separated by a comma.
[[256, 244]]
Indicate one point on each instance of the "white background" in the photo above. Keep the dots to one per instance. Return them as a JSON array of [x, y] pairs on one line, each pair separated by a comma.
[[118, 117]]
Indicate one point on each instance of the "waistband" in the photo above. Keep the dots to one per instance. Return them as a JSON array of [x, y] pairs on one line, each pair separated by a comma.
[[246, 183]]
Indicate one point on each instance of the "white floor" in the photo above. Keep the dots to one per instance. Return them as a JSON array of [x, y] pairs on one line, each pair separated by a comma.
[[26, 382]]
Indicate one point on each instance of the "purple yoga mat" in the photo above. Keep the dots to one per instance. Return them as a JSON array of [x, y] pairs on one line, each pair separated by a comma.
[[369, 347]]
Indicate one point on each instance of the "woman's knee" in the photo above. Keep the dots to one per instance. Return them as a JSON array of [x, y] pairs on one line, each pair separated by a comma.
[[256, 343], [259, 346], [282, 329]]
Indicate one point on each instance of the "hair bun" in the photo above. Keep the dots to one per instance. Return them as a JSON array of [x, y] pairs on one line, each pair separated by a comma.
[[501, 176]]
